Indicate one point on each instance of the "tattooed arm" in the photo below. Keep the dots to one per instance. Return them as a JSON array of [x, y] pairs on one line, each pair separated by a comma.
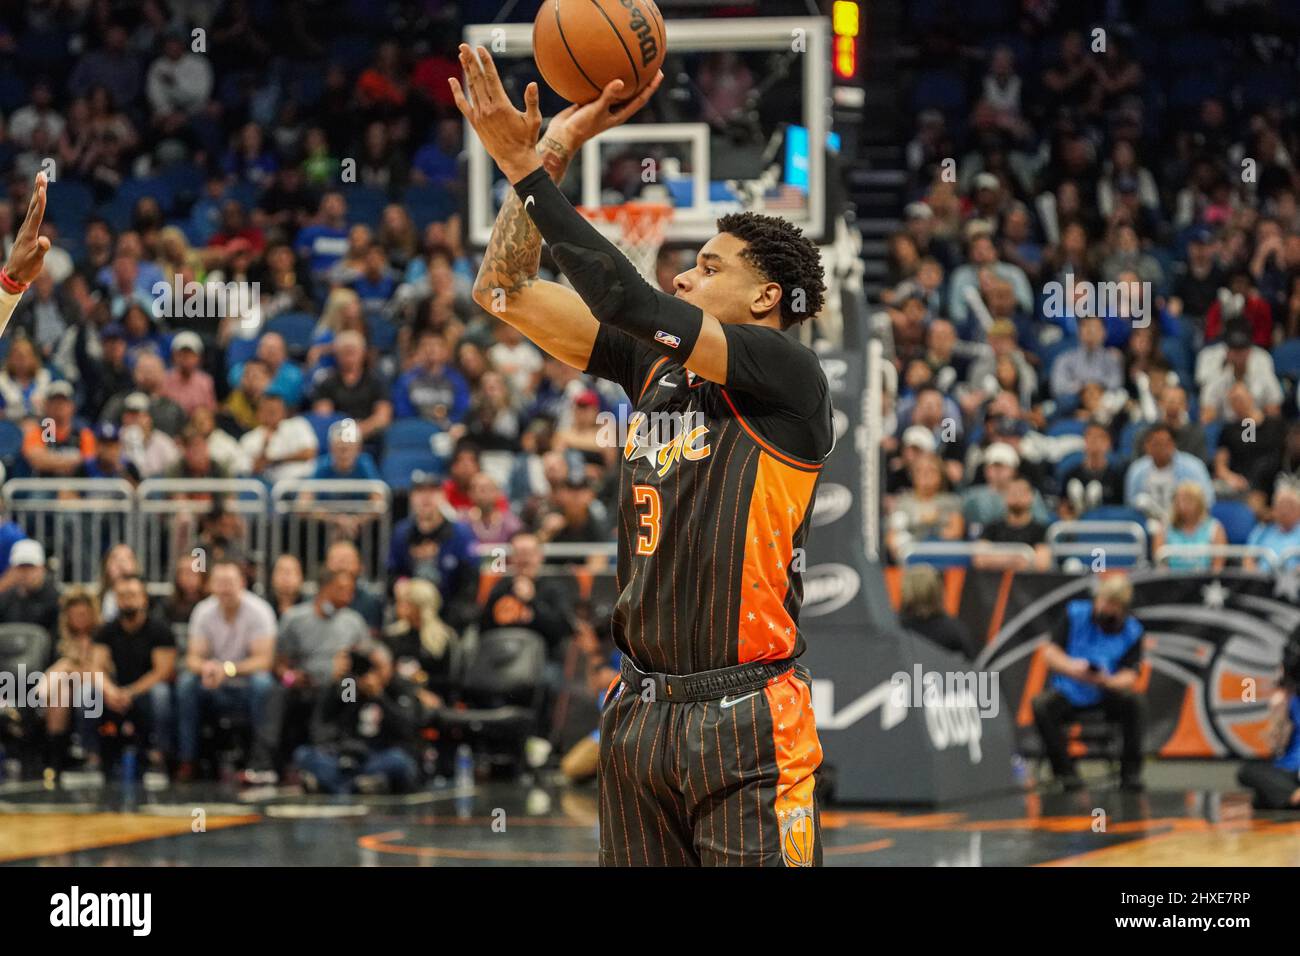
[[549, 314]]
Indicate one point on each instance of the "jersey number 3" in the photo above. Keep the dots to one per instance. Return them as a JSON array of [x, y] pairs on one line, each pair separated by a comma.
[[647, 496]]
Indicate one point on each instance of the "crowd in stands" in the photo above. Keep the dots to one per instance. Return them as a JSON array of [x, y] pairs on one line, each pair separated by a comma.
[[258, 271], [1093, 307]]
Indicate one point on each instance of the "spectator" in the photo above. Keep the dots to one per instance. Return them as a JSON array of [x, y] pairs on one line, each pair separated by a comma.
[[240, 408], [150, 378], [1190, 524], [1235, 359], [280, 447], [1097, 480], [1275, 783], [151, 451], [187, 385], [921, 611], [362, 742], [118, 562], [1189, 436], [178, 85], [31, 597], [342, 557], [323, 242], [1094, 657], [985, 502], [431, 544], [489, 515], [926, 512], [108, 460], [1280, 535], [576, 518], [423, 645], [917, 441], [57, 447], [285, 377], [524, 598], [24, 382], [1150, 481], [315, 638], [77, 653], [1091, 361], [982, 254], [286, 584], [195, 460], [189, 587], [355, 390], [113, 67], [228, 668], [1246, 461], [143, 653], [941, 417], [222, 448], [1016, 526], [432, 388]]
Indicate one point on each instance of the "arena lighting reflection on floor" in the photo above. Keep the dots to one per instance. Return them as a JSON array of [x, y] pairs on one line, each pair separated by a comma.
[[506, 825]]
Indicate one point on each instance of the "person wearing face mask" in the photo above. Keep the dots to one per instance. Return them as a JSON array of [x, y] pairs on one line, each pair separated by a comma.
[[311, 650], [1094, 659], [143, 649]]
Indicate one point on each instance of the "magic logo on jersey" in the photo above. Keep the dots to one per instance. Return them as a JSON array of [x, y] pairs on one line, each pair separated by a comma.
[[666, 437]]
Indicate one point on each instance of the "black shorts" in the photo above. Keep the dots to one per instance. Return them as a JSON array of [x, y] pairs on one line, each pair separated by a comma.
[[722, 782]]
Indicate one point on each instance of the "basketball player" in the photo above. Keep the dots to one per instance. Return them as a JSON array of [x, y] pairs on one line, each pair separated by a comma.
[[26, 255], [708, 747]]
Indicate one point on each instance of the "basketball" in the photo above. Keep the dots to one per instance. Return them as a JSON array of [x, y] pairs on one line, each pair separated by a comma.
[[582, 45]]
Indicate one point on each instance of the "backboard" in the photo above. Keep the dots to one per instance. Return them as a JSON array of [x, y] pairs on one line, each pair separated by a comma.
[[730, 129]]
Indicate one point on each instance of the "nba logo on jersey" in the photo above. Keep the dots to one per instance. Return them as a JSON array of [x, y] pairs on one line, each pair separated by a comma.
[[798, 836], [668, 339]]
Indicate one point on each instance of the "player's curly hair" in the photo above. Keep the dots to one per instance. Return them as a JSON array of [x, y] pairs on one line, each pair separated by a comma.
[[785, 256]]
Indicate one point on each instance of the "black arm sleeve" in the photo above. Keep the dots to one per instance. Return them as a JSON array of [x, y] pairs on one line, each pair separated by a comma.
[[608, 283]]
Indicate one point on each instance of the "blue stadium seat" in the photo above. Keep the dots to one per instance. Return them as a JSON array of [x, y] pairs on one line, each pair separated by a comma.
[[1127, 439], [428, 204], [397, 467], [70, 204], [11, 442], [1066, 426], [240, 351], [1066, 465], [1286, 359], [1189, 88], [13, 91], [939, 89], [1178, 356], [410, 434], [1115, 513], [365, 203], [298, 329], [352, 52], [383, 334], [1196, 48], [1212, 432], [321, 426], [1237, 518], [134, 189]]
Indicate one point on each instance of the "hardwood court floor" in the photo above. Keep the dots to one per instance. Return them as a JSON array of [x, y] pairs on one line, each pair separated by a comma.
[[502, 824]]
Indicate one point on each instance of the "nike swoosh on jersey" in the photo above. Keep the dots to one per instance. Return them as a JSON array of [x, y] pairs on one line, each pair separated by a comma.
[[729, 702], [667, 384]]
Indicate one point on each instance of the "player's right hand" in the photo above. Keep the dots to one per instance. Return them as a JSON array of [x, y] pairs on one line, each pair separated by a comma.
[[29, 248], [579, 122]]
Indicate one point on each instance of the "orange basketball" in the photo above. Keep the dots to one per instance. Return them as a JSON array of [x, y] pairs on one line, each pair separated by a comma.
[[582, 45]]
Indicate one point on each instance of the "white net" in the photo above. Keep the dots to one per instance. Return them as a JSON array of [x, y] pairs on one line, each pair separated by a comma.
[[637, 228]]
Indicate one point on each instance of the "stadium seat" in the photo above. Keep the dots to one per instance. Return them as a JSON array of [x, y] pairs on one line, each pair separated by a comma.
[[428, 204], [70, 204], [1066, 426], [1237, 518], [23, 647], [1128, 438], [383, 334], [136, 188], [320, 424], [1286, 359], [410, 434], [240, 351], [365, 203], [11, 441], [297, 328], [398, 466], [1212, 432], [1115, 513], [939, 89], [1065, 466]]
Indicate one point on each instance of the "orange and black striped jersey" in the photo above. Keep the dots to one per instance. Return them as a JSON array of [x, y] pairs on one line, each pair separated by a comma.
[[715, 499]]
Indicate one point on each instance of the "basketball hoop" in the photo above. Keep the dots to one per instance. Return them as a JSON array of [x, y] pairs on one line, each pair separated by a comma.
[[640, 230]]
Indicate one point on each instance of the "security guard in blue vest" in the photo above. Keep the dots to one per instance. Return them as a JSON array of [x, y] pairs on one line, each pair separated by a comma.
[[1094, 657]]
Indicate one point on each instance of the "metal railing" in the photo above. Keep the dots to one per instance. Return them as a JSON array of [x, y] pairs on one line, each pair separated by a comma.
[[308, 515], [1229, 552], [1105, 536], [170, 513], [917, 552], [76, 519]]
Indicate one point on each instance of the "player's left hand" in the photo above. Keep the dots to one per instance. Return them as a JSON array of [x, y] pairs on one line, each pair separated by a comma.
[[29, 248], [509, 136]]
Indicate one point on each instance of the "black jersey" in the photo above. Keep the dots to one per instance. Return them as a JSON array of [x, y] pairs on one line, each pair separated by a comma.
[[715, 500]]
